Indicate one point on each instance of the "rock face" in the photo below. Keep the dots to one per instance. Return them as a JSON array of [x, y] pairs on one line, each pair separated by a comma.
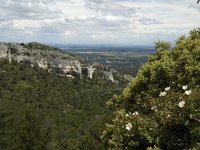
[[108, 76], [91, 70], [128, 77], [56, 61], [50, 59]]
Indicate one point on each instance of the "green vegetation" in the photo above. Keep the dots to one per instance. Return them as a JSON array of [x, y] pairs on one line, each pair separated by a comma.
[[160, 108], [35, 45], [40, 110]]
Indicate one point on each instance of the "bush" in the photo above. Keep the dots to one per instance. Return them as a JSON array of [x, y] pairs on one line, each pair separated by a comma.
[[160, 108]]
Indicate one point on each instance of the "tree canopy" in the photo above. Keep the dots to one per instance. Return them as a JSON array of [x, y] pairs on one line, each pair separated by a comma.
[[44, 111], [160, 108]]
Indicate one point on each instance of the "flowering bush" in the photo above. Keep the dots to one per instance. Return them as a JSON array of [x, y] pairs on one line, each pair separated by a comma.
[[160, 108]]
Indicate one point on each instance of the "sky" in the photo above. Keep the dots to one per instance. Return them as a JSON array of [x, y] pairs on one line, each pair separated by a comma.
[[115, 22]]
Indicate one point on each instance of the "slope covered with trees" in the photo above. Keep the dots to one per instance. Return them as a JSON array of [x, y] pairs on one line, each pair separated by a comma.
[[41, 110], [160, 108]]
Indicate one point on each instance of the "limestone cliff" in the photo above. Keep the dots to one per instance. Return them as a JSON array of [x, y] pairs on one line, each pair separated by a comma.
[[56, 61], [45, 57]]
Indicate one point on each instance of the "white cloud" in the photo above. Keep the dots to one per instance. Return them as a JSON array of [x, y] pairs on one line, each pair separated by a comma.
[[111, 18], [97, 21], [82, 17]]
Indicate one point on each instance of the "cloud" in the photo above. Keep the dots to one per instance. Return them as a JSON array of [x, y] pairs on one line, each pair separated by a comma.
[[195, 7], [30, 10], [109, 8], [94, 21], [148, 21]]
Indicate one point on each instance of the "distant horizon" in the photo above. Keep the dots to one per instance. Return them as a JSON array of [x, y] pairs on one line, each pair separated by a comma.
[[82, 44], [91, 44], [103, 44]]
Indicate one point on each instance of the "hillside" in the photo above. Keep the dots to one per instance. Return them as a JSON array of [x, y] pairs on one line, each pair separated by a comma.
[[50, 99], [56, 61], [41, 110]]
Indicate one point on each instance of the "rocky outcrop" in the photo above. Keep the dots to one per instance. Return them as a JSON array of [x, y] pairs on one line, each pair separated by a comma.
[[47, 59], [128, 77], [91, 70], [56, 61], [108, 76]]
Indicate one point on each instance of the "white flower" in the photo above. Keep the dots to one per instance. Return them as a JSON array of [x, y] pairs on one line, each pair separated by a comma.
[[167, 88], [135, 113], [181, 104], [129, 126], [126, 115], [154, 108], [186, 123], [163, 94], [185, 87], [188, 92]]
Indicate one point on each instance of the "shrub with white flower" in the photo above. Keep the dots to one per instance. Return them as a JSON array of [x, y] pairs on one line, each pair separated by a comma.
[[162, 94], [166, 120], [185, 87], [167, 89], [135, 113], [129, 126], [127, 115], [188, 92], [154, 108], [181, 104]]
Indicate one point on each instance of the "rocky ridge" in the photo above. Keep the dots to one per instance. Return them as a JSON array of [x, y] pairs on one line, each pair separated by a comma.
[[54, 60]]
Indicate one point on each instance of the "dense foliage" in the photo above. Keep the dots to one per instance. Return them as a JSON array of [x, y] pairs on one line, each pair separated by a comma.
[[40, 110], [160, 108]]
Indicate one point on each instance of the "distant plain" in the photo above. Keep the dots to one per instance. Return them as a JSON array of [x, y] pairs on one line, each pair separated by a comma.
[[125, 59]]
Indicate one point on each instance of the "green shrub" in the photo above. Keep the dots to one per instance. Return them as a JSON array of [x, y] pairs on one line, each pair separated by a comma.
[[160, 108]]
